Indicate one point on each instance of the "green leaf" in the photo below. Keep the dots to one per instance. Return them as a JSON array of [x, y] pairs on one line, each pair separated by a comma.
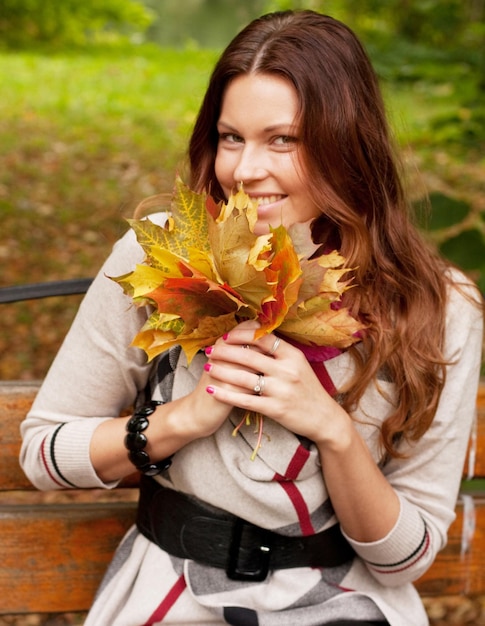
[[445, 212], [467, 250]]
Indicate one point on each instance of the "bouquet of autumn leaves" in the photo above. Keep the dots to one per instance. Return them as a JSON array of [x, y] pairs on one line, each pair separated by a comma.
[[205, 271]]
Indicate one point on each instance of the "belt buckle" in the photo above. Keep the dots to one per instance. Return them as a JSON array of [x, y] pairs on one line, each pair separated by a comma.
[[234, 570]]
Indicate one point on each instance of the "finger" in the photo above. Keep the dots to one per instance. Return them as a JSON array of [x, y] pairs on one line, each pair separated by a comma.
[[258, 388], [275, 346], [240, 380], [236, 356], [249, 325], [268, 344], [249, 399]]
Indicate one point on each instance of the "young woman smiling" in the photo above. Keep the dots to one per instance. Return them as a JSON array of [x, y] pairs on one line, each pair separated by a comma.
[[352, 498]]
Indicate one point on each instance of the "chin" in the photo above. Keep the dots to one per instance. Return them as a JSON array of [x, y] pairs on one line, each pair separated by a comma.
[[261, 228]]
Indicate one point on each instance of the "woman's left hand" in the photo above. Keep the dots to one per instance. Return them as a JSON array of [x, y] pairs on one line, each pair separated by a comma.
[[271, 377], [290, 393]]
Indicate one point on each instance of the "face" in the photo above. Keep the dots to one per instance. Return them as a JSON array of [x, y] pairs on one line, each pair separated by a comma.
[[259, 146]]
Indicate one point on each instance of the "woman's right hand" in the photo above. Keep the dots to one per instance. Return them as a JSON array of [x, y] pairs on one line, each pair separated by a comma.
[[196, 415], [172, 426]]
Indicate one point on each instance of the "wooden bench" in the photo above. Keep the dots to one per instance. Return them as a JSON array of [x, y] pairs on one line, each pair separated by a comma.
[[55, 546]]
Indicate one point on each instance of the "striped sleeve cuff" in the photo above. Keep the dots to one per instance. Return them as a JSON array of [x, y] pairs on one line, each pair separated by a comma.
[[405, 552], [65, 455]]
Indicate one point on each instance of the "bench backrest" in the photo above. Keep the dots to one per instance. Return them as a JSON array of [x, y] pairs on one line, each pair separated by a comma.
[[55, 546]]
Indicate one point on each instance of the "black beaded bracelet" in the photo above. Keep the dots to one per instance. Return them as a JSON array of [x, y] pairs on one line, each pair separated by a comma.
[[136, 441]]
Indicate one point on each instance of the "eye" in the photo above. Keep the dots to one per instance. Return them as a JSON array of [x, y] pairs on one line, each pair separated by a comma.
[[230, 138], [285, 140]]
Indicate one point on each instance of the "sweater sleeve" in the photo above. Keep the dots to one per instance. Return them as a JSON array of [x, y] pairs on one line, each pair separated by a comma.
[[427, 479], [95, 375]]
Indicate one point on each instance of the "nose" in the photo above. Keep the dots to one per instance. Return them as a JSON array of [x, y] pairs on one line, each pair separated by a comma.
[[250, 165]]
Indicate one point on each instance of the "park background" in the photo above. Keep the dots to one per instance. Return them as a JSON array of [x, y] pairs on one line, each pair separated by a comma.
[[97, 100]]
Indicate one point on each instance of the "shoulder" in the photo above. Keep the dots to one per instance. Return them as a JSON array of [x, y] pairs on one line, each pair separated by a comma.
[[464, 311], [463, 295]]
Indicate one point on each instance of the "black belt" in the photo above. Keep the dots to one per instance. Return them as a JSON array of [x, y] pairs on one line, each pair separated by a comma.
[[188, 528]]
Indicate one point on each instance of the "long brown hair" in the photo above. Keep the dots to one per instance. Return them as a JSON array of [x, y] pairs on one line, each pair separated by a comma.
[[353, 177]]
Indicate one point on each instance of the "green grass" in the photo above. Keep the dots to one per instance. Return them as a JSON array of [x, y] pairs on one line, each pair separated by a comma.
[[116, 83], [144, 100], [84, 137]]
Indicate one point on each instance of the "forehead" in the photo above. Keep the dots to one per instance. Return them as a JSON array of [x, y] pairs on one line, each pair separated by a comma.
[[260, 96]]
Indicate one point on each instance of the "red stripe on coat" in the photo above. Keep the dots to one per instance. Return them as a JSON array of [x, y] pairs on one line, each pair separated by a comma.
[[300, 458], [287, 482], [324, 378], [296, 464], [167, 603]]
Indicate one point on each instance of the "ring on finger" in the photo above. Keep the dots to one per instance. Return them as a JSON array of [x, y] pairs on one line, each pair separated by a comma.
[[277, 342], [259, 386]]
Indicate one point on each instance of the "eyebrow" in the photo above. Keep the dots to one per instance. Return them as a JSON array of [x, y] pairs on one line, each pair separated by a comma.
[[290, 126]]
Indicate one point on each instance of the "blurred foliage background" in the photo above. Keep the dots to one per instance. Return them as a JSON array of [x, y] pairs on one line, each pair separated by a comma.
[[97, 102]]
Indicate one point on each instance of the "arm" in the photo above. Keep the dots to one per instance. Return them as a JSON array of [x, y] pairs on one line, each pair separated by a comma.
[[73, 437], [94, 375], [428, 479], [171, 427]]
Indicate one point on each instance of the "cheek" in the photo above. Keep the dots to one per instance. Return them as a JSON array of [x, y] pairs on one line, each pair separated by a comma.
[[222, 169]]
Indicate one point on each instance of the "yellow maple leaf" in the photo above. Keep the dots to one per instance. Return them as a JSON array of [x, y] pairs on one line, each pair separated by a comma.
[[155, 337], [236, 251], [323, 326]]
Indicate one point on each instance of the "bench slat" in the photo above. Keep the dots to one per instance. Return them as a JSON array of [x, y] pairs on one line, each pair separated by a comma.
[[53, 557], [15, 401]]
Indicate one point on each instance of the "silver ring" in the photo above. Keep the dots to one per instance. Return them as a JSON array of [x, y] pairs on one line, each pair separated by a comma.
[[259, 386], [277, 342]]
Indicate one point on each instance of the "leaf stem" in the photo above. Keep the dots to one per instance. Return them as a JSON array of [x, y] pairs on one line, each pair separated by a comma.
[[259, 424], [247, 419]]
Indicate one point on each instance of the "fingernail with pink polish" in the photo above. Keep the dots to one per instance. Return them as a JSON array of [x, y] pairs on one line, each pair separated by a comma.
[[210, 390], [225, 336], [207, 367], [208, 350]]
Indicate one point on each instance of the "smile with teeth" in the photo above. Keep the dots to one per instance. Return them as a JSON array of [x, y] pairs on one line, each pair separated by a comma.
[[267, 199]]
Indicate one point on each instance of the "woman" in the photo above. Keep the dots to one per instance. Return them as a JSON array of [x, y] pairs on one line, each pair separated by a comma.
[[350, 499]]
